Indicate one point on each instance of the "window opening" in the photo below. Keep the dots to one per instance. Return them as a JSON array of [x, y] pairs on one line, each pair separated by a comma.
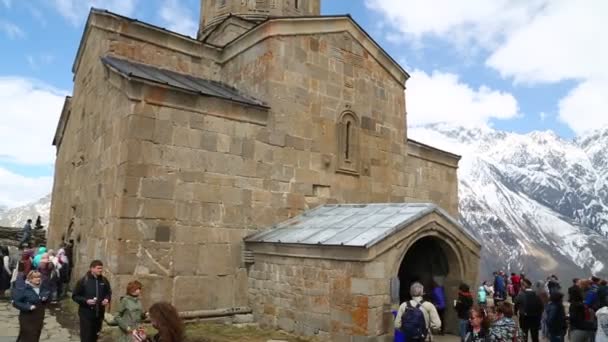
[[347, 145]]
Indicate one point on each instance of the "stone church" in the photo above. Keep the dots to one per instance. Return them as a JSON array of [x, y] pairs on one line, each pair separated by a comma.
[[262, 167]]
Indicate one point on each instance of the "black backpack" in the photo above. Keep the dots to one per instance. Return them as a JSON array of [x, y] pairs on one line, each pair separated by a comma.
[[413, 324]]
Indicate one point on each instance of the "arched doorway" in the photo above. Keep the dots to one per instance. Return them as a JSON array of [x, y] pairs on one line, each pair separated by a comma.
[[431, 260]]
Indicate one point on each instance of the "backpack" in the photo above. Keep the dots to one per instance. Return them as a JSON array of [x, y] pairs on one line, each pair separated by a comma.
[[413, 324]]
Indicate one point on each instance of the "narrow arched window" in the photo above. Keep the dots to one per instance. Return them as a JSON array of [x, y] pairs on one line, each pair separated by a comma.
[[297, 3], [348, 143]]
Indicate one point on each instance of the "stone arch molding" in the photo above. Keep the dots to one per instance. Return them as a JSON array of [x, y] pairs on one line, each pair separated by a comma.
[[431, 230]]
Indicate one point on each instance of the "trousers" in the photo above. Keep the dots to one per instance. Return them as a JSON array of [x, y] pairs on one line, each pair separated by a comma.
[[90, 327]]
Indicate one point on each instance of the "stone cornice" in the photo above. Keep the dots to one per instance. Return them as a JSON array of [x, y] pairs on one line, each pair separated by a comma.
[[432, 154]]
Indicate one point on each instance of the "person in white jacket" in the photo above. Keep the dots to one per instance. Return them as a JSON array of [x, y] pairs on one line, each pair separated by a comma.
[[602, 325]]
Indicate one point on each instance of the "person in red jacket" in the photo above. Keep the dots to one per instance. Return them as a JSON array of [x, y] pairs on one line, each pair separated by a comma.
[[516, 281]]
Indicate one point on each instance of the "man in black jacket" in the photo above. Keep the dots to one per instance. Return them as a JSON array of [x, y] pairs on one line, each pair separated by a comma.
[[93, 294], [530, 308], [572, 289]]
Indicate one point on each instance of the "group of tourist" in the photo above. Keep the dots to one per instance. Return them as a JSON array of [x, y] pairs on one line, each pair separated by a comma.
[[518, 310], [37, 277]]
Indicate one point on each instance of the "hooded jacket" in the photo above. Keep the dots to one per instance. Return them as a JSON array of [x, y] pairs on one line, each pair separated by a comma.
[[38, 257]]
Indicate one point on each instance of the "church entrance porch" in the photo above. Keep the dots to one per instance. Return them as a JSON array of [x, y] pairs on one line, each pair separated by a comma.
[[331, 272], [432, 262]]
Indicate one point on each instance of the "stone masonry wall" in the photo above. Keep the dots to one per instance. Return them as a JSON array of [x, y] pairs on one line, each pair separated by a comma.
[[163, 186], [334, 300], [88, 177]]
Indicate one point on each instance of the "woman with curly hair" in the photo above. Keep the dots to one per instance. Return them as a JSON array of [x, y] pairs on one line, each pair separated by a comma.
[[165, 319]]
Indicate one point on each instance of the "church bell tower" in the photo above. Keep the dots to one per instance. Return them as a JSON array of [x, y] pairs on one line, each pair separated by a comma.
[[214, 11]]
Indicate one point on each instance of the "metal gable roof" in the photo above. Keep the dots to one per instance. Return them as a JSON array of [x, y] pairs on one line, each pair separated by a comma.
[[355, 225], [180, 81]]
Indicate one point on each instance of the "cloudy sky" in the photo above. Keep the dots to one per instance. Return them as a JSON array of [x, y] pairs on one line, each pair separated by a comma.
[[518, 65]]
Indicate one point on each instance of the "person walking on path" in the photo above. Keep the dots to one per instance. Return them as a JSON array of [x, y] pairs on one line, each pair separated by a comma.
[[93, 294], [572, 289], [5, 271], [482, 296], [26, 233], [530, 308], [130, 312], [439, 301], [165, 319], [408, 313], [555, 317], [463, 306], [582, 319], [30, 301]]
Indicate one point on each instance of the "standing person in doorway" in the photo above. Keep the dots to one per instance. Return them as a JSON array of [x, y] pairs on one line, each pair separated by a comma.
[[439, 301], [30, 301], [93, 294], [530, 308], [416, 318]]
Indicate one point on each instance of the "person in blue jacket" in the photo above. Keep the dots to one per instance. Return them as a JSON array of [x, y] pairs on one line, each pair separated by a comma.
[[500, 289], [439, 301], [30, 301]]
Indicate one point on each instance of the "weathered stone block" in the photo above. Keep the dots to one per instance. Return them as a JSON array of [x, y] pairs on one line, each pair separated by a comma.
[[158, 188]]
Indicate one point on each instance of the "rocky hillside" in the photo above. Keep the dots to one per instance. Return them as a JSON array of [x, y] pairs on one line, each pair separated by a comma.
[[16, 217], [537, 202]]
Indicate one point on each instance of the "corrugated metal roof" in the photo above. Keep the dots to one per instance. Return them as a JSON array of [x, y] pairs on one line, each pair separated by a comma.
[[181, 81], [355, 225]]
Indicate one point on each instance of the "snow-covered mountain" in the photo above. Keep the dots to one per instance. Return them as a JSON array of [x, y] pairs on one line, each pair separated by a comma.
[[16, 217], [538, 203]]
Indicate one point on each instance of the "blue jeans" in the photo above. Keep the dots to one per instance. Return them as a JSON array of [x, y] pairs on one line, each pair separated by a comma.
[[463, 325], [556, 338]]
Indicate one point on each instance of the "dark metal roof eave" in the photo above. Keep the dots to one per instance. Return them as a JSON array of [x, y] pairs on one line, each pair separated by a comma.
[[130, 76]]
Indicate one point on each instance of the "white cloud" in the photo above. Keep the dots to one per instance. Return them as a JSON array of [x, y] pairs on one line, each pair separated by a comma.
[[442, 97], [586, 107], [18, 190], [533, 42], [478, 21], [178, 18], [542, 116], [76, 10], [29, 115], [11, 30], [563, 42]]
